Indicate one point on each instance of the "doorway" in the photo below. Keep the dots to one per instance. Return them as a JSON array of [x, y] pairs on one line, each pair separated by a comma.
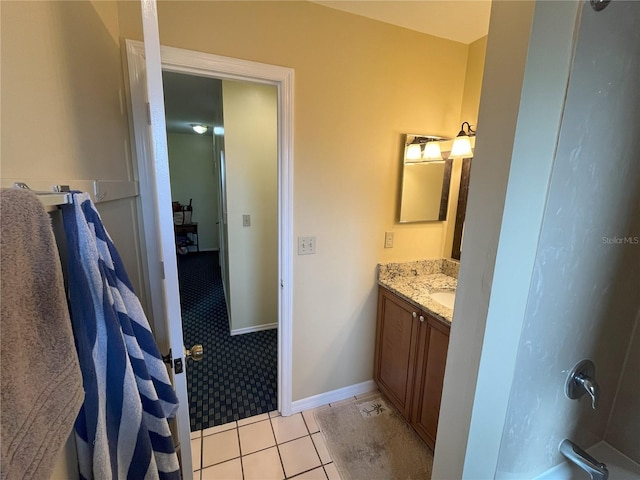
[[156, 228], [226, 241]]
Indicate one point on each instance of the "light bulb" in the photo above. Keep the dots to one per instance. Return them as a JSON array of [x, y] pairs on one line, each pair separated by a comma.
[[461, 147], [413, 152], [432, 151], [200, 129]]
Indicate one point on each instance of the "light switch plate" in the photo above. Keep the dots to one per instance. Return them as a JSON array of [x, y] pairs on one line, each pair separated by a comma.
[[306, 245], [388, 239], [246, 220]]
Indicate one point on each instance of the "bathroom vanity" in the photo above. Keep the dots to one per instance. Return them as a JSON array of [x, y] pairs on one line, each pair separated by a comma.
[[412, 338]]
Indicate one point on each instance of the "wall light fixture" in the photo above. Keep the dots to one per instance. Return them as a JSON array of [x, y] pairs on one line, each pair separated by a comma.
[[461, 147]]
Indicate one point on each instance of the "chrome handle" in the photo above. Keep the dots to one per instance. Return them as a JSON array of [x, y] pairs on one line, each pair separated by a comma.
[[581, 380], [414, 314], [421, 318], [195, 353], [591, 387]]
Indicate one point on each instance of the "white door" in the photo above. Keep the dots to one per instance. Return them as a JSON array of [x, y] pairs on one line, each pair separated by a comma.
[[160, 244]]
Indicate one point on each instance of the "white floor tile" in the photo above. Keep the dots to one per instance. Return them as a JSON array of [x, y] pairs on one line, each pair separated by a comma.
[[321, 447], [298, 456], [230, 470], [332, 472], [315, 474], [254, 419], [275, 413], [256, 436], [289, 428], [218, 429], [263, 465], [310, 420], [196, 450], [220, 447]]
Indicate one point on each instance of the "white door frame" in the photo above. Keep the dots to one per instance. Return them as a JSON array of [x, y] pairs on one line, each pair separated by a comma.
[[204, 64]]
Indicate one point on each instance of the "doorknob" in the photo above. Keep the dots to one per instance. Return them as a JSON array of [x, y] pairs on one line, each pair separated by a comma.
[[195, 353]]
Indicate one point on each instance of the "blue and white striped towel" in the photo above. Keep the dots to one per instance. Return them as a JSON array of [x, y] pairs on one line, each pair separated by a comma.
[[122, 431]]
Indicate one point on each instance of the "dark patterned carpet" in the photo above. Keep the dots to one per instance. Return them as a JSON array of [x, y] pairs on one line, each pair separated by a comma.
[[237, 377]]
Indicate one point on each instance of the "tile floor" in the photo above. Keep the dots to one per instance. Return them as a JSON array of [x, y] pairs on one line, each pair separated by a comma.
[[265, 447]]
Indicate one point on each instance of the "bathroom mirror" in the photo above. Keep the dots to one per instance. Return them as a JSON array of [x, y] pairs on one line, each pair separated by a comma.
[[425, 180]]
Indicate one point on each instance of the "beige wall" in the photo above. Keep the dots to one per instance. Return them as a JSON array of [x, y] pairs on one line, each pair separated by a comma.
[[468, 113], [359, 86], [194, 176], [251, 159], [63, 106], [64, 114]]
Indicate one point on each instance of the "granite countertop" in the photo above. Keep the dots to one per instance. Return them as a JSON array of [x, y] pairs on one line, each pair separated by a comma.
[[416, 281]]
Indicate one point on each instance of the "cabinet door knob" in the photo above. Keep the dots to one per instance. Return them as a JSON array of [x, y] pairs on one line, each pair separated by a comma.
[[414, 314], [421, 318]]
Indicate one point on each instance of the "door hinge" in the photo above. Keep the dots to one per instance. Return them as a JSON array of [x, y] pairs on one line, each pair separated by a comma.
[[162, 269], [148, 113], [176, 364]]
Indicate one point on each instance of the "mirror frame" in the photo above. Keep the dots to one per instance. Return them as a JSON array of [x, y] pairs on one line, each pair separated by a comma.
[[461, 209]]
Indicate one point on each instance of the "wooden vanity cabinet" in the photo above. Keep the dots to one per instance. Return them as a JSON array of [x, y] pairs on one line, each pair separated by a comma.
[[432, 344], [395, 352], [410, 357]]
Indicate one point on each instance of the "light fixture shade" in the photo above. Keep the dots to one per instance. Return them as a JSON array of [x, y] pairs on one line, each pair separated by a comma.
[[200, 129], [461, 147], [413, 152], [432, 151]]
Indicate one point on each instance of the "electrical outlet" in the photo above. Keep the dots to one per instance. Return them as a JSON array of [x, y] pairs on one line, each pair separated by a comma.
[[388, 239], [306, 245], [246, 220]]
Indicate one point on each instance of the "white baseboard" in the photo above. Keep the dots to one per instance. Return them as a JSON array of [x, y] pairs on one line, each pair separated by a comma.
[[257, 328], [333, 396]]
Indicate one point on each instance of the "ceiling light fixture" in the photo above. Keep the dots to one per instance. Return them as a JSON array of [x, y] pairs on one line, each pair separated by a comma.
[[461, 147], [200, 129]]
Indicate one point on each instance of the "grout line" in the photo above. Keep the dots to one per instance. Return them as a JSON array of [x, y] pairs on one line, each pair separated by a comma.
[[242, 456], [277, 447], [317, 453], [305, 423], [307, 471], [238, 437]]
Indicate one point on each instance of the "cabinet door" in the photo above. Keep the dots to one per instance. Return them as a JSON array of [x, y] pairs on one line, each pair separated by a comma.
[[395, 349], [433, 343]]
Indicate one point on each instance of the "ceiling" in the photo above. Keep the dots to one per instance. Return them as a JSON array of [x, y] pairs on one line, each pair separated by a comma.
[[463, 21], [190, 99]]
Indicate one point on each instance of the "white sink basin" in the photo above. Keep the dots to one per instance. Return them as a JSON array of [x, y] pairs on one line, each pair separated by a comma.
[[445, 298]]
